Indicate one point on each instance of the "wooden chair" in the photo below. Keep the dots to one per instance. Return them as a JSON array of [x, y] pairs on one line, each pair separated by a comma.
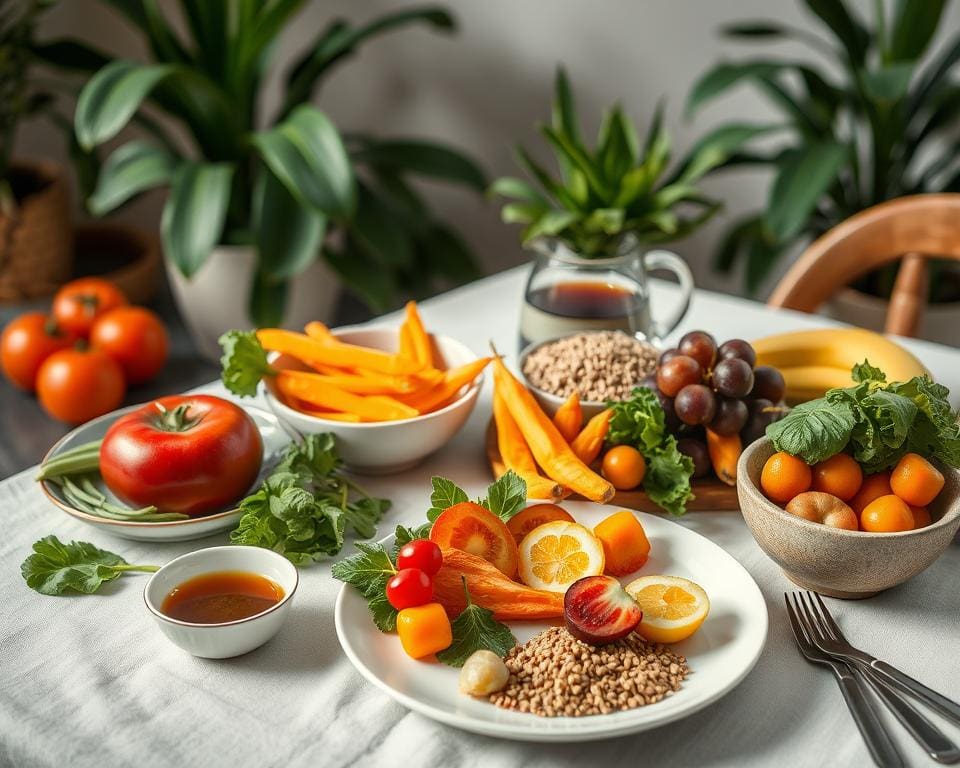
[[910, 229]]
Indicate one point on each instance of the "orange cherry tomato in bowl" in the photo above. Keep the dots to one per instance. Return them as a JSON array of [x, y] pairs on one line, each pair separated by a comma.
[[76, 385], [469, 527], [624, 467], [192, 454], [135, 338], [80, 302], [25, 343]]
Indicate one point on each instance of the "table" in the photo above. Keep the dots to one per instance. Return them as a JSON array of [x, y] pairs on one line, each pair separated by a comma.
[[90, 681]]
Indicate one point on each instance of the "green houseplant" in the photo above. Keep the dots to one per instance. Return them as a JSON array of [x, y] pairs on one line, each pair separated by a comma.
[[877, 122], [289, 187]]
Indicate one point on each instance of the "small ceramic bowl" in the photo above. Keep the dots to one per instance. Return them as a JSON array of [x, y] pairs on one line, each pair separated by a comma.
[[837, 562], [390, 446], [232, 638]]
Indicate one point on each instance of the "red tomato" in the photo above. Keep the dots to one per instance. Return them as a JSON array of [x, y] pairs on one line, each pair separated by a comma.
[[192, 454], [409, 588], [76, 385], [471, 528], [135, 338], [77, 304], [422, 554], [26, 342]]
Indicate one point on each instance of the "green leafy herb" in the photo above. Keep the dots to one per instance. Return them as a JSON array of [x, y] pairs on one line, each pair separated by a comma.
[[475, 630], [445, 494], [506, 496], [55, 567], [244, 362], [405, 535], [815, 430], [639, 422], [305, 506], [369, 571]]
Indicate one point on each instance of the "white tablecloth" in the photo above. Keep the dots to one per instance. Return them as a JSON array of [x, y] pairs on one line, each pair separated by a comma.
[[90, 681]]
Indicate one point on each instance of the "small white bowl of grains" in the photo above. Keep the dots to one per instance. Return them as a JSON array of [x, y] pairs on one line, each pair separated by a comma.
[[598, 365]]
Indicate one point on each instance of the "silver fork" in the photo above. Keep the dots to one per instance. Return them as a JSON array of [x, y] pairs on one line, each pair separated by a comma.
[[878, 741], [822, 628], [838, 645]]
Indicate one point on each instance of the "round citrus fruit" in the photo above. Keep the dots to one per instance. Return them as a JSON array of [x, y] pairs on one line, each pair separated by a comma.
[[888, 514], [673, 607], [784, 476], [556, 554], [916, 480], [840, 476]]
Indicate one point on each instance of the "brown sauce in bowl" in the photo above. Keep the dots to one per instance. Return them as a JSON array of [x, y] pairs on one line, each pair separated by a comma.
[[221, 596]]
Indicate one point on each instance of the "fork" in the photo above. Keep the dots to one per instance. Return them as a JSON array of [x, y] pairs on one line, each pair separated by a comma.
[[838, 645], [821, 627], [884, 752]]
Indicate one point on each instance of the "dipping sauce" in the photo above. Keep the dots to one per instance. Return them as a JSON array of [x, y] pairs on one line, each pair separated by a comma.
[[221, 596]]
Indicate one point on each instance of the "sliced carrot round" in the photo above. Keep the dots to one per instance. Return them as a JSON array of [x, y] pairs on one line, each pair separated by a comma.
[[534, 516], [469, 527]]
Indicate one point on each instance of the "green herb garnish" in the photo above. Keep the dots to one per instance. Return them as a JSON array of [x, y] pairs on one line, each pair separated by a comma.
[[369, 571], [55, 567], [244, 362], [476, 630]]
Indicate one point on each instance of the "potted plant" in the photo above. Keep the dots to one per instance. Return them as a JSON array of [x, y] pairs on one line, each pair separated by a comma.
[[876, 123], [590, 226], [259, 211]]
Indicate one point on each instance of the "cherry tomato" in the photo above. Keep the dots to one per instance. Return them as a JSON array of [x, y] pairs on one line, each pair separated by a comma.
[[135, 338], [76, 385], [624, 467], [409, 588], [191, 454], [77, 304], [422, 554], [26, 342]]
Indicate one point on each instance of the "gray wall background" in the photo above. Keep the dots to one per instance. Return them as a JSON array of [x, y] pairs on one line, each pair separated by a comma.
[[484, 88]]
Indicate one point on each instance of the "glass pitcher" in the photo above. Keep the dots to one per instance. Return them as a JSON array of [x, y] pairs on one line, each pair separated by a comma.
[[567, 293]]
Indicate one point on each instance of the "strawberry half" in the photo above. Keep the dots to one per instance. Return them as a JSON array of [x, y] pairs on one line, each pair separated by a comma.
[[597, 610]]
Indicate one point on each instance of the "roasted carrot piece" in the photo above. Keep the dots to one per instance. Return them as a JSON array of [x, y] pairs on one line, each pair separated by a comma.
[[588, 443], [357, 385], [724, 455], [490, 589], [546, 443], [569, 417], [516, 454], [302, 347], [406, 341], [320, 332], [419, 338], [323, 396], [451, 383]]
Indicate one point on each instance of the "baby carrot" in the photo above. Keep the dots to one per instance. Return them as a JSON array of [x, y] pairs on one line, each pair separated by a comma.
[[516, 454], [569, 417], [419, 338], [451, 383], [588, 443], [317, 330], [302, 347], [375, 407]]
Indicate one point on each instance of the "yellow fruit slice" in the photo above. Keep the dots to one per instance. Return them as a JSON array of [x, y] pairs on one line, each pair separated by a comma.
[[673, 607], [554, 555]]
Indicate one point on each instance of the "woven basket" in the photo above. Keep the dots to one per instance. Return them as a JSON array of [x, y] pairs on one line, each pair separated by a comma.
[[36, 243], [127, 256]]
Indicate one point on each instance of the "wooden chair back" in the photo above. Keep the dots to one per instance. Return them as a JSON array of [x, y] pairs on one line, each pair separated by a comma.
[[911, 229]]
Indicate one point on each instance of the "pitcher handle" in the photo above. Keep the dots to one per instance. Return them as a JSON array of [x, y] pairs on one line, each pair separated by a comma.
[[671, 263]]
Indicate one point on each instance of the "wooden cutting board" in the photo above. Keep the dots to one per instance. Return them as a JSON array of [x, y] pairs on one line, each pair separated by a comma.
[[711, 494]]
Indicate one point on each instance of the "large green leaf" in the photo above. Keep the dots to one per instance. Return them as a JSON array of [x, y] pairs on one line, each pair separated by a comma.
[[379, 231], [579, 159], [934, 75], [849, 31], [163, 40], [133, 168], [518, 189], [376, 286], [288, 233], [717, 147], [110, 98], [618, 148], [889, 83], [552, 187], [724, 76], [805, 176], [192, 221], [914, 26], [447, 254], [564, 113], [424, 159], [268, 300], [307, 154]]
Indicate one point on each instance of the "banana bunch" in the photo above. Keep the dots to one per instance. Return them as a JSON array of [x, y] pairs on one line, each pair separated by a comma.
[[814, 361]]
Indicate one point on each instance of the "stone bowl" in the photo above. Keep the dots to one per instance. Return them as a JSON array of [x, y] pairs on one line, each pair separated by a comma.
[[835, 562]]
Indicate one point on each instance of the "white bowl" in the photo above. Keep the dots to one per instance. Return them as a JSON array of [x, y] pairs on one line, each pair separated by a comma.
[[232, 638], [385, 447]]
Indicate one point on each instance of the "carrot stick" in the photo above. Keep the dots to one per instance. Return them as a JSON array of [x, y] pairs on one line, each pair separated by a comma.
[[357, 385], [326, 370], [375, 407], [724, 454], [406, 342], [569, 417], [423, 349], [305, 407], [320, 332], [546, 443], [588, 443], [453, 380], [302, 347], [516, 454]]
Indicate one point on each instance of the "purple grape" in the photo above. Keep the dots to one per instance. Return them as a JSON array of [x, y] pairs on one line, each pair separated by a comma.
[[730, 418], [768, 384], [695, 404], [737, 349], [733, 378], [701, 346]]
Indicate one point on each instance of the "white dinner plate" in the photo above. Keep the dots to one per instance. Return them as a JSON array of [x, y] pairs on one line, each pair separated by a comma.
[[274, 441], [719, 655]]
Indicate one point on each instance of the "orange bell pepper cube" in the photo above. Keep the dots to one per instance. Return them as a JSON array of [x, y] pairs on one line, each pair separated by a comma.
[[424, 630]]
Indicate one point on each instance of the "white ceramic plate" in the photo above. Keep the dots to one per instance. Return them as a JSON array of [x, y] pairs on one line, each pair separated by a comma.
[[720, 654], [274, 441]]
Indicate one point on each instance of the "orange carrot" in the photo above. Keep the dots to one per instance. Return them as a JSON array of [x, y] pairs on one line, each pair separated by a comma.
[[490, 589], [516, 454], [420, 340], [302, 347], [317, 330], [546, 443], [375, 407], [406, 342], [448, 388], [589, 442], [357, 385], [724, 455], [569, 417]]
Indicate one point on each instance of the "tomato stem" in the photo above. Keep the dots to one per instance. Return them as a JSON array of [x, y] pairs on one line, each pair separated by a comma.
[[175, 420]]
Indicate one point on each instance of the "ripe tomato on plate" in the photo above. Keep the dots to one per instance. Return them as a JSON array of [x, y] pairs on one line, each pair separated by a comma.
[[77, 304], [26, 342], [192, 454]]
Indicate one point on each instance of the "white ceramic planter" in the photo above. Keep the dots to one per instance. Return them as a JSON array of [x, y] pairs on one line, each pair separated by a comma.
[[215, 299], [939, 322]]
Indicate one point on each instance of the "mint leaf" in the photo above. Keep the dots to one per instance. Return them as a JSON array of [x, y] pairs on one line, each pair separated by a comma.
[[473, 630], [244, 362], [815, 430], [667, 479], [866, 372], [445, 494], [55, 567], [405, 535], [369, 571], [507, 495]]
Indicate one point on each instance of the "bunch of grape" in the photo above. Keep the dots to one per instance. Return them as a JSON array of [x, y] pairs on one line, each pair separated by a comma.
[[702, 385]]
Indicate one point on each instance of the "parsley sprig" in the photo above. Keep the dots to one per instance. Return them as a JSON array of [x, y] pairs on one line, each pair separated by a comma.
[[56, 567]]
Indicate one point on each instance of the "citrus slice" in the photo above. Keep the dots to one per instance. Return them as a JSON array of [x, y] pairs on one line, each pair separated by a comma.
[[673, 607], [554, 555]]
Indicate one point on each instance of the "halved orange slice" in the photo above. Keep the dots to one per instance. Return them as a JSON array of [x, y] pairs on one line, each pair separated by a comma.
[[673, 607], [554, 555]]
